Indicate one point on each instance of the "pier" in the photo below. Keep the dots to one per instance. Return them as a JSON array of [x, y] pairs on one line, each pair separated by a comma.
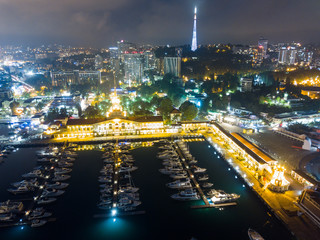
[[195, 182], [117, 162]]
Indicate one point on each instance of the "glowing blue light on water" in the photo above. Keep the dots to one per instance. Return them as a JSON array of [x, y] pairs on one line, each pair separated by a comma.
[[113, 212], [20, 220], [229, 169], [22, 228], [235, 177], [243, 185], [208, 146], [114, 220]]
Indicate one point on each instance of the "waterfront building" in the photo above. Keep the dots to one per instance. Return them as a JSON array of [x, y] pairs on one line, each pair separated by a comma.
[[255, 158], [175, 116], [115, 123], [309, 203]]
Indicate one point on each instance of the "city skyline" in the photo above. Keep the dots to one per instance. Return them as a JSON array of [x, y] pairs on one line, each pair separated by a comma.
[[101, 23]]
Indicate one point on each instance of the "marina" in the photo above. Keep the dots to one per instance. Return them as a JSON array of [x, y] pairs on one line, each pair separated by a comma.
[[153, 214]]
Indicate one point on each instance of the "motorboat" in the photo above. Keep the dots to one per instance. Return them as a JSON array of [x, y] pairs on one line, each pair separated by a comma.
[[170, 170], [11, 206], [197, 169], [128, 189], [68, 159], [254, 235], [8, 217], [20, 189], [108, 160], [29, 183], [203, 177], [65, 164], [172, 163], [60, 171], [179, 175], [180, 183], [127, 169], [46, 200], [126, 202], [38, 223], [219, 196], [105, 179], [207, 185], [58, 178], [44, 160], [39, 213], [104, 206], [57, 185], [188, 194], [131, 196], [34, 174], [51, 192]]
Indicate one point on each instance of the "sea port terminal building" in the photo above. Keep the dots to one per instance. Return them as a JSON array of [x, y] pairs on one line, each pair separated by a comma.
[[82, 128]]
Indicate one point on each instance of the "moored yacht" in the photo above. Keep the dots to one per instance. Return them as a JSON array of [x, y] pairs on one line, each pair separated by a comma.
[[188, 194], [180, 183], [57, 185], [38, 223], [254, 235], [219, 196]]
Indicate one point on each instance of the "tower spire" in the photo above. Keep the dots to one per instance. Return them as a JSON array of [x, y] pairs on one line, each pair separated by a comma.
[[194, 33]]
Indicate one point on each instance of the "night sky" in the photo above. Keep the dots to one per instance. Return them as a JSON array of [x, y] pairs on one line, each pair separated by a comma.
[[100, 23]]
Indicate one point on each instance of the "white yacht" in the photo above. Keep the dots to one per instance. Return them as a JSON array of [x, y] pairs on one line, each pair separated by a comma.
[[8, 217], [254, 235], [33, 174], [60, 171], [219, 196], [188, 194], [57, 185], [58, 178], [127, 169], [50, 192], [38, 223], [179, 175], [180, 183], [197, 169], [20, 189], [170, 170], [46, 200]]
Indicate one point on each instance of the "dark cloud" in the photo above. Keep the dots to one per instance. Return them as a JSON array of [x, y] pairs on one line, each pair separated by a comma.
[[103, 22]]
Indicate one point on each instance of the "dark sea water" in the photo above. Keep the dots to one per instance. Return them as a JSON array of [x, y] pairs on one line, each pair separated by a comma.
[[164, 217]]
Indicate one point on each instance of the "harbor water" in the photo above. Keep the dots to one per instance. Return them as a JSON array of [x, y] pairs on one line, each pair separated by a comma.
[[164, 217]]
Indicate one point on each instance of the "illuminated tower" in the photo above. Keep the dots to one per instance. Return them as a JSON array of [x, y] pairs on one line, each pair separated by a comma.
[[194, 34]]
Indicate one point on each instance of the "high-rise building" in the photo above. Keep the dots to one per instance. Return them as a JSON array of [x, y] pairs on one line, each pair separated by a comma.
[[125, 47], [133, 67], [172, 65], [194, 33], [262, 48], [64, 79], [246, 84], [288, 56]]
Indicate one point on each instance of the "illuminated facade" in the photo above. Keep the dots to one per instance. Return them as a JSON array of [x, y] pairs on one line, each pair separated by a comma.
[[116, 123], [194, 45]]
